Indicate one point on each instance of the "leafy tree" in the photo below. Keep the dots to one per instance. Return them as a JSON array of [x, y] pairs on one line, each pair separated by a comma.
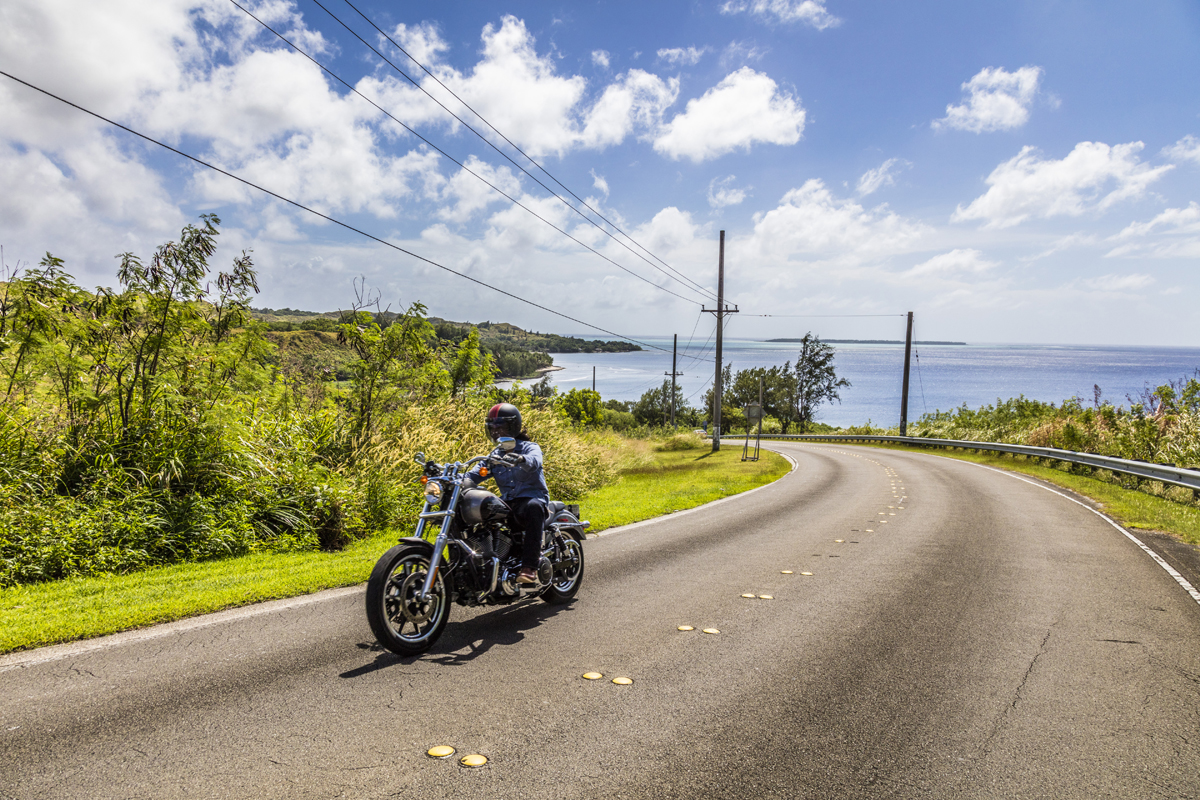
[[653, 408], [816, 380], [469, 367], [581, 406]]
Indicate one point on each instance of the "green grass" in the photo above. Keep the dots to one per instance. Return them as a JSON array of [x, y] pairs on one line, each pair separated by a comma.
[[676, 481], [1130, 507], [81, 608]]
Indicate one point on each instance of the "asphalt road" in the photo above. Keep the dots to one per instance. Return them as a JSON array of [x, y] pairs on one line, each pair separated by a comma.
[[963, 633]]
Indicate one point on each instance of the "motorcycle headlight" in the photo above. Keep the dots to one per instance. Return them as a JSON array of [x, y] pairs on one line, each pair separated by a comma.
[[433, 493]]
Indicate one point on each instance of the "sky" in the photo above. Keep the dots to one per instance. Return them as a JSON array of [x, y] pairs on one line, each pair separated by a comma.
[[1008, 171]]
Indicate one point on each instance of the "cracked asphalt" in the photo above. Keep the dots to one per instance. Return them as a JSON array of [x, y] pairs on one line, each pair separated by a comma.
[[963, 634]]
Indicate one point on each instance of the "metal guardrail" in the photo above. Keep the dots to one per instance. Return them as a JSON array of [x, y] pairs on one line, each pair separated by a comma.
[[1188, 478]]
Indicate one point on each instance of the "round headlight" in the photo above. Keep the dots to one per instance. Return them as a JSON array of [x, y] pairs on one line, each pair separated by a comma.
[[433, 492]]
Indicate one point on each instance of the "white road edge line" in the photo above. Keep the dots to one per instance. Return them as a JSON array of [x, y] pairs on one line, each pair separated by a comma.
[[1182, 581], [57, 652]]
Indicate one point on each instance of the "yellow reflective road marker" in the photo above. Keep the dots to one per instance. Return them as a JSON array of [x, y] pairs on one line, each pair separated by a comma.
[[622, 681], [749, 596], [766, 597], [474, 760], [806, 573], [785, 572], [711, 630], [592, 676], [839, 541], [441, 751], [685, 628], [870, 530]]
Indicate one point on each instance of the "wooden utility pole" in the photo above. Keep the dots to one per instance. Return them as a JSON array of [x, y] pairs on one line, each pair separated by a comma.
[[904, 389], [720, 311], [674, 373]]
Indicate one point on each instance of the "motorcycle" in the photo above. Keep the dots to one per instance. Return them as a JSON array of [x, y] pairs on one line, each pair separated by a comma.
[[474, 559]]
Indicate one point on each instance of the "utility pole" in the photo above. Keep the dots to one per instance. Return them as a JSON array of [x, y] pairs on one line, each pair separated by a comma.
[[593, 379], [674, 374], [720, 311], [904, 390]]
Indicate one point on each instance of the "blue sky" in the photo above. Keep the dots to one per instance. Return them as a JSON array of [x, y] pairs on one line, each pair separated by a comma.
[[1010, 172]]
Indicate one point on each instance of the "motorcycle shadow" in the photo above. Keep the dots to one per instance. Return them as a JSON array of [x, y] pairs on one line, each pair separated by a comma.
[[465, 641]]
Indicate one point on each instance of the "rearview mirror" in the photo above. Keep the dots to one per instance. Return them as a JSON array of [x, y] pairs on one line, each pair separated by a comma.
[[507, 442]]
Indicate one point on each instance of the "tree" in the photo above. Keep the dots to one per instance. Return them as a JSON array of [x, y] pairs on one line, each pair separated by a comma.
[[653, 408], [778, 388], [816, 381], [581, 406]]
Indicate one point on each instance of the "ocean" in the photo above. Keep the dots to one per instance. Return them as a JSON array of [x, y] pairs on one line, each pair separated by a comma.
[[942, 376]]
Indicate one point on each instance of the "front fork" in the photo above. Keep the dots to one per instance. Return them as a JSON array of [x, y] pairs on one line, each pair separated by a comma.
[[439, 544]]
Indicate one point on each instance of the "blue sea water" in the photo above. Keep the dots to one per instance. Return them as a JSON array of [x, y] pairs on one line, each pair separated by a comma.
[[942, 376]]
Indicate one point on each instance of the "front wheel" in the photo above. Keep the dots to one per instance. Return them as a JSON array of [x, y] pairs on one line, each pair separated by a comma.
[[401, 622], [568, 574]]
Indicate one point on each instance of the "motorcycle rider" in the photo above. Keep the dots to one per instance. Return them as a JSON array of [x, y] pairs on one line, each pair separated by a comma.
[[518, 474]]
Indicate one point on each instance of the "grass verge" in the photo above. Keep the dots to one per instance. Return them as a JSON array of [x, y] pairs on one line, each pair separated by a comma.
[[678, 480], [1131, 508], [81, 608]]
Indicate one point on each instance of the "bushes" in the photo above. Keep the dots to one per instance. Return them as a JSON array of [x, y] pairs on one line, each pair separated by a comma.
[[148, 426]]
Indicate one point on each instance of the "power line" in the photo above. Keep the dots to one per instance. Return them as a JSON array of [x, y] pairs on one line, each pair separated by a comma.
[[512, 144], [449, 157], [806, 316], [465, 124], [326, 217]]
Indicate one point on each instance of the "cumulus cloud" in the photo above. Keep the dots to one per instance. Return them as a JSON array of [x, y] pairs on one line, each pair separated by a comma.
[[721, 192], [423, 42], [1186, 149], [745, 108], [956, 262], [601, 58], [808, 12], [810, 222], [1092, 177], [996, 101], [681, 56], [875, 179]]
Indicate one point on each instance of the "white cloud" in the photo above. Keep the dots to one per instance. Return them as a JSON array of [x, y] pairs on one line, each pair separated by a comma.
[[998, 101], [1118, 283], [1186, 149], [423, 42], [960, 261], [875, 179], [601, 58], [809, 12], [682, 56], [721, 192], [740, 53], [636, 99], [1092, 177], [810, 222], [745, 108], [600, 183], [469, 195], [1175, 233]]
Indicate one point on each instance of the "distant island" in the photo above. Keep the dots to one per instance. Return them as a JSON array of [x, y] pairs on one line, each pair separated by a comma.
[[868, 341]]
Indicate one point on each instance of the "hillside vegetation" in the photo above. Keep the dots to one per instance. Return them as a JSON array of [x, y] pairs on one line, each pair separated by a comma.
[[159, 423]]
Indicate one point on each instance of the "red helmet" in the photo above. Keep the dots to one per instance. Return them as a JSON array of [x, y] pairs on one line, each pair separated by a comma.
[[504, 419]]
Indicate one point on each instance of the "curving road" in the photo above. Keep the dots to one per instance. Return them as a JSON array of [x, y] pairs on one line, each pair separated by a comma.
[[964, 633]]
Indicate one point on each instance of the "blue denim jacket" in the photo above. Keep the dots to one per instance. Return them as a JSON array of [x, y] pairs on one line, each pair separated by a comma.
[[523, 480]]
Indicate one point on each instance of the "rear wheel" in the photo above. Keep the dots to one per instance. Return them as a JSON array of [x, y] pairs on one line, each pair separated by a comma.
[[568, 574], [401, 622]]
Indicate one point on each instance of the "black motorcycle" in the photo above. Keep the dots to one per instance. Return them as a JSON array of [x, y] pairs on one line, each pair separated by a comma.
[[473, 561]]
